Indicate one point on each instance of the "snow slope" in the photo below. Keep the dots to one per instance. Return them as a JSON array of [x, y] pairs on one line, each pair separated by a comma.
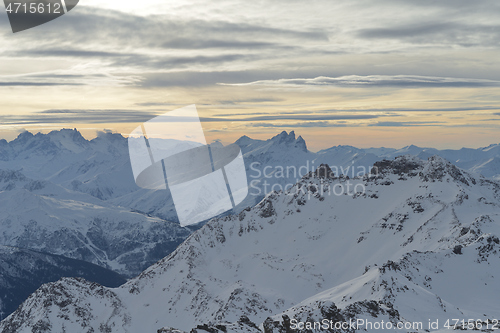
[[42, 216], [101, 167]]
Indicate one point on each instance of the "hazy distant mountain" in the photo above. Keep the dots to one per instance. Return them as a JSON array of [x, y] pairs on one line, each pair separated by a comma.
[[285, 151], [101, 167], [418, 241], [42, 216]]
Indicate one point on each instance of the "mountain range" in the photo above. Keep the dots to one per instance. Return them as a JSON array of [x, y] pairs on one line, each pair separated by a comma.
[[415, 242], [62, 195]]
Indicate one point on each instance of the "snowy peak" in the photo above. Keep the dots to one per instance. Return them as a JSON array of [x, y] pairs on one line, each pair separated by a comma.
[[67, 134], [244, 141], [406, 164], [301, 143], [276, 144], [361, 248], [53, 143], [288, 139], [435, 168], [284, 137]]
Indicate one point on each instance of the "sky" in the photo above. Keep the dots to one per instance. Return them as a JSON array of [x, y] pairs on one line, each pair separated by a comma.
[[363, 73]]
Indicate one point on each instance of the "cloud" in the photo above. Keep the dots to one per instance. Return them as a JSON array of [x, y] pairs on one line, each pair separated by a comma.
[[190, 78], [261, 113], [442, 33], [127, 43], [406, 123], [304, 124], [96, 28], [79, 116], [165, 50], [322, 117], [401, 81], [393, 112], [196, 44], [379, 81], [146, 62], [69, 77], [147, 104], [20, 83], [408, 31], [86, 116], [250, 100], [68, 52]]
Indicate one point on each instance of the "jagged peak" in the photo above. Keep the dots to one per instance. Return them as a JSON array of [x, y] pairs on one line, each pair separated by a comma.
[[55, 135], [410, 147], [64, 133], [435, 168], [243, 139], [284, 137], [323, 171], [301, 143], [23, 137], [289, 139], [401, 164]]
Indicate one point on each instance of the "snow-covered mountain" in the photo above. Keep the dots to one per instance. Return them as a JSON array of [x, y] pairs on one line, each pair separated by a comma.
[[482, 160], [377, 248], [98, 172], [101, 167], [24, 271], [98, 167], [281, 161], [46, 217]]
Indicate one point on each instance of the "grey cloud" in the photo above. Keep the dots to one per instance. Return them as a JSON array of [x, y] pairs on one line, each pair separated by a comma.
[[311, 117], [261, 113], [478, 6], [406, 123], [58, 78], [392, 112], [134, 59], [413, 30], [158, 31], [249, 100], [80, 116], [378, 80], [20, 83], [70, 52], [442, 33], [194, 79], [147, 104], [303, 124], [164, 62], [142, 42], [215, 43], [58, 116]]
